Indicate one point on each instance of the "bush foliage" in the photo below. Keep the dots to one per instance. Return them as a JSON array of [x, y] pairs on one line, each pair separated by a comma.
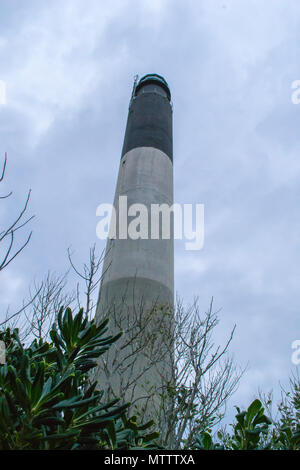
[[47, 400]]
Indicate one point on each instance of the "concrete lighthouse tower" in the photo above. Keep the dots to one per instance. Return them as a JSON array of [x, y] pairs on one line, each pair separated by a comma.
[[137, 288]]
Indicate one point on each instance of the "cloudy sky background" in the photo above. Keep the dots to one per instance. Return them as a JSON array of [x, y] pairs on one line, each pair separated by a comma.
[[69, 67]]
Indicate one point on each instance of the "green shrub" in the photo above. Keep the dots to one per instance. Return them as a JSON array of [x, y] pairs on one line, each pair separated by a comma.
[[47, 400]]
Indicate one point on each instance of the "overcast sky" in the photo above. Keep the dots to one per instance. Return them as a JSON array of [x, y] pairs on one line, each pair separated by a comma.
[[68, 67]]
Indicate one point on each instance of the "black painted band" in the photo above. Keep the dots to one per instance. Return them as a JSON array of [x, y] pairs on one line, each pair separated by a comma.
[[149, 124]]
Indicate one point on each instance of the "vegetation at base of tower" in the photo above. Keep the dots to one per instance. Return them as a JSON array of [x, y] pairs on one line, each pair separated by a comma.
[[47, 400]]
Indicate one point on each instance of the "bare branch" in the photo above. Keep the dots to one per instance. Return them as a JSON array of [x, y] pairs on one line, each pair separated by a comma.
[[19, 311], [8, 234], [199, 377], [90, 276], [3, 167]]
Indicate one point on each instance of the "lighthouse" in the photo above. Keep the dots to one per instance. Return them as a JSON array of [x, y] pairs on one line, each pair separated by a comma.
[[137, 286]]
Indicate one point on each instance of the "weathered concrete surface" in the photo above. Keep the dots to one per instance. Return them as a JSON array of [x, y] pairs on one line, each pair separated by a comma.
[[138, 281], [145, 177]]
